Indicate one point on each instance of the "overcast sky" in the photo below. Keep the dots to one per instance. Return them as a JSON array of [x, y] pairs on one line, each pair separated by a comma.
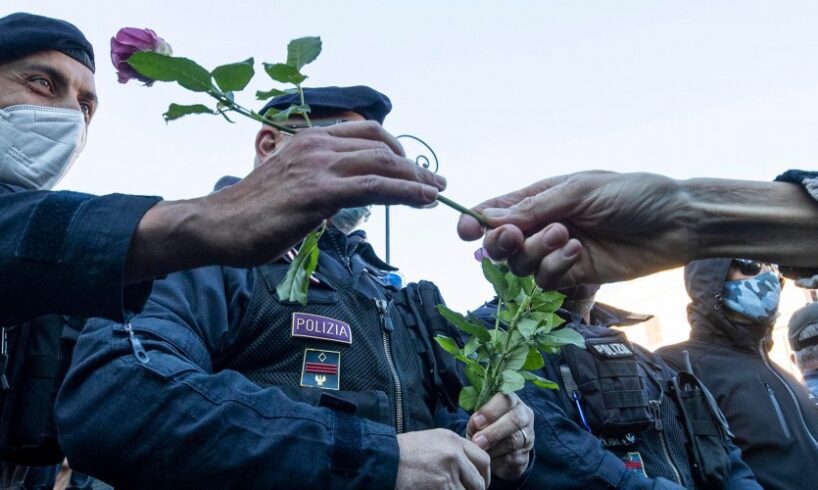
[[505, 92]]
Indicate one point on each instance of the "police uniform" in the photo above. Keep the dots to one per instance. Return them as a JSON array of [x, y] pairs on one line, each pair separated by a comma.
[[219, 383], [616, 421], [62, 252]]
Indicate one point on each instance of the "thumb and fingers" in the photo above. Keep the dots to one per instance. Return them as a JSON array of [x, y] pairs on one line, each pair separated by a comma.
[[475, 470], [502, 417], [500, 208]]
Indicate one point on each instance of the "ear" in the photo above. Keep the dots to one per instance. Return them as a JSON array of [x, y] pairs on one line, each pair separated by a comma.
[[266, 141]]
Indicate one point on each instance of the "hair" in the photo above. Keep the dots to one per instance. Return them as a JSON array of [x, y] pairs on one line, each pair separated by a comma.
[[807, 358]]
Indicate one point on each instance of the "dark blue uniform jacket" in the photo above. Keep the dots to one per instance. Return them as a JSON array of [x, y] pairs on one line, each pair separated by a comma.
[[65, 253]]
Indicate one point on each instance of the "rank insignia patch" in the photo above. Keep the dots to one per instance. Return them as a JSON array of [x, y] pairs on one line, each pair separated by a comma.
[[321, 327], [633, 462], [321, 369]]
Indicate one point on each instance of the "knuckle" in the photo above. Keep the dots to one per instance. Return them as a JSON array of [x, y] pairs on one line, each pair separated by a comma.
[[384, 157], [370, 184], [527, 205]]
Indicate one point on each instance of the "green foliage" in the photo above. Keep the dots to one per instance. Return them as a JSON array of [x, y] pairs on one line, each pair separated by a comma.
[[269, 94], [284, 73], [472, 328], [502, 359], [164, 68], [303, 51], [296, 282], [235, 76], [175, 111]]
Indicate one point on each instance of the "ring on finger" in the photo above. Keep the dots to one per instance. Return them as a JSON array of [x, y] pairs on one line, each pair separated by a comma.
[[525, 437]]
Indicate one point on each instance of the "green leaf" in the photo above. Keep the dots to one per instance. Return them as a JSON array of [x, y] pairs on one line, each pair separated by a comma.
[[288, 113], [496, 277], [281, 72], [564, 336], [514, 286], [540, 381], [303, 51], [517, 358], [467, 398], [511, 381], [475, 374], [269, 94], [461, 322], [526, 327], [471, 346], [448, 345], [533, 360], [547, 301], [175, 111], [163, 68], [235, 76], [295, 284]]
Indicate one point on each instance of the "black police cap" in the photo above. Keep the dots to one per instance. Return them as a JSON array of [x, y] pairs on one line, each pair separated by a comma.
[[22, 34], [800, 320], [361, 99]]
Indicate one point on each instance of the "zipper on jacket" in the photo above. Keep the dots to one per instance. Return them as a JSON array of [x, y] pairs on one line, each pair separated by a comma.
[[655, 405], [4, 359], [386, 329], [778, 411], [136, 345], [787, 387]]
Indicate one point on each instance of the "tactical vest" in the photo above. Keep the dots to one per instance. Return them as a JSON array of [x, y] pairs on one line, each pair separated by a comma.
[[349, 348], [638, 407]]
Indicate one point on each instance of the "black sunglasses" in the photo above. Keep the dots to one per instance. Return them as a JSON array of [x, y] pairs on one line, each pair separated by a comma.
[[749, 267]]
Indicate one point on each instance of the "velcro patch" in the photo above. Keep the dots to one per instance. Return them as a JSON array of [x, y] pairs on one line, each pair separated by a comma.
[[320, 327], [611, 349], [633, 462], [321, 369]]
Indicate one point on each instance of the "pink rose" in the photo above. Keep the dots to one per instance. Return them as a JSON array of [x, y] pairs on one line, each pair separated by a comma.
[[130, 40]]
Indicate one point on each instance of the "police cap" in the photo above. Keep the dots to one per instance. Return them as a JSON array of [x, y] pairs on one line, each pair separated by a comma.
[[366, 101], [22, 34], [800, 320]]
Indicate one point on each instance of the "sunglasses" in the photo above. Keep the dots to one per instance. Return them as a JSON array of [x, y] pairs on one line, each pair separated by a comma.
[[751, 267]]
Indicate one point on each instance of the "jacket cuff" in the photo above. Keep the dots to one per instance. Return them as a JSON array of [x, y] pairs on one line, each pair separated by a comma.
[[365, 454], [81, 243]]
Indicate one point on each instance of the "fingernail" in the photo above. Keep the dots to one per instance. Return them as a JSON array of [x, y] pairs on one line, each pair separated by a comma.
[[479, 421], [494, 213], [441, 182], [429, 193], [505, 243], [552, 236], [571, 249], [481, 441]]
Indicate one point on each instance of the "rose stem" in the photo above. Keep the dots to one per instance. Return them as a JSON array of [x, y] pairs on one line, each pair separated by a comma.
[[474, 214]]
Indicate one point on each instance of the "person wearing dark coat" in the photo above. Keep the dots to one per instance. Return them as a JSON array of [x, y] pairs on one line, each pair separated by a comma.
[[775, 422], [575, 452], [803, 337]]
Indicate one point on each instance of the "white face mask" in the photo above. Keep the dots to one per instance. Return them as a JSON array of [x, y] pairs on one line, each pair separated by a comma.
[[39, 144]]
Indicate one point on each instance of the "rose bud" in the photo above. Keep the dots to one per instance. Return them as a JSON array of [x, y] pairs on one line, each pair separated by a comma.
[[130, 40]]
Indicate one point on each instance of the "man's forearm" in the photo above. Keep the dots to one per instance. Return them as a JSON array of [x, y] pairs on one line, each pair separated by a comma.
[[772, 221], [169, 238]]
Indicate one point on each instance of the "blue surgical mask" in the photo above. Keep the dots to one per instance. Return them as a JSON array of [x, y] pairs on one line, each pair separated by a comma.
[[756, 298], [39, 144]]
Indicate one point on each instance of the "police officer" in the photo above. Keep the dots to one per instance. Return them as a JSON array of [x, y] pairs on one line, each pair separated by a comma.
[[803, 338], [618, 419], [221, 383], [72, 253]]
